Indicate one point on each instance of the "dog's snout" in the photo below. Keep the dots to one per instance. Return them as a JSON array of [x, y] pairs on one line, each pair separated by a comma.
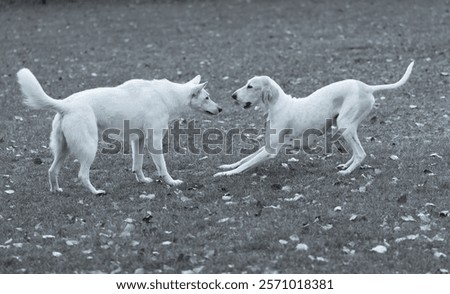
[[234, 96], [219, 109]]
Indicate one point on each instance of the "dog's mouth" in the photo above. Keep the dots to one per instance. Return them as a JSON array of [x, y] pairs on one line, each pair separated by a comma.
[[247, 105], [214, 113]]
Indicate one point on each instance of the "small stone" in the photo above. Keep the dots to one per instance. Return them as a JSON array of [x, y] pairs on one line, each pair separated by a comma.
[[37, 160], [301, 247]]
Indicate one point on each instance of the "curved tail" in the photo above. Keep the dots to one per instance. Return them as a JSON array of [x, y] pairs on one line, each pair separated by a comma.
[[397, 84], [34, 95]]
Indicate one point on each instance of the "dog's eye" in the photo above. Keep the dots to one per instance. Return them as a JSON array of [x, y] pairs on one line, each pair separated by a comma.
[[207, 98], [249, 86]]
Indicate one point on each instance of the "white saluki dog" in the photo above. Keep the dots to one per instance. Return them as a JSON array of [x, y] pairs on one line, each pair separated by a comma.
[[146, 105], [347, 101]]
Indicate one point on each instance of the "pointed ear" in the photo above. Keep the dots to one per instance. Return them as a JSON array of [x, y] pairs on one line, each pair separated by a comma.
[[195, 80], [198, 88]]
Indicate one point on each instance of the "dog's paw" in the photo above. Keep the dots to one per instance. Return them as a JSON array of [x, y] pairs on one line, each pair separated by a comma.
[[56, 190], [174, 182], [145, 180], [341, 167], [170, 181], [100, 192], [222, 174], [141, 178], [343, 172]]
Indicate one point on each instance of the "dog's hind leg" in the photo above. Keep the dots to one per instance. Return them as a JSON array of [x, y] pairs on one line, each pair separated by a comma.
[[348, 122], [351, 136], [80, 130], [349, 127], [137, 148], [58, 145], [83, 174]]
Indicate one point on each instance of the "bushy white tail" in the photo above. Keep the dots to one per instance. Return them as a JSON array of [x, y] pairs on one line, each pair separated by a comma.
[[34, 95], [397, 84]]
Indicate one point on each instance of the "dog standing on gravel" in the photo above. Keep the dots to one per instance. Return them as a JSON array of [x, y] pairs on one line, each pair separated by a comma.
[[347, 101], [81, 117]]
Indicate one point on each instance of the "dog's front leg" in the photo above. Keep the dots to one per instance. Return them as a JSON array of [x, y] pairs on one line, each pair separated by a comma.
[[160, 163], [261, 156], [243, 160], [274, 141], [137, 149], [157, 154]]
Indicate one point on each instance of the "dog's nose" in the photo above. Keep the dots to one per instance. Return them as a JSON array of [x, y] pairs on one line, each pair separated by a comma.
[[234, 96], [220, 110]]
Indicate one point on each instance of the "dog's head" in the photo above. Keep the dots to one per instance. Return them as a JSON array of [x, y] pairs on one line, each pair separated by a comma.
[[199, 98], [260, 88]]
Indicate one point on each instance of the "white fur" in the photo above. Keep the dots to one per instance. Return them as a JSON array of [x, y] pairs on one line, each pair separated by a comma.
[[349, 101], [81, 117]]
